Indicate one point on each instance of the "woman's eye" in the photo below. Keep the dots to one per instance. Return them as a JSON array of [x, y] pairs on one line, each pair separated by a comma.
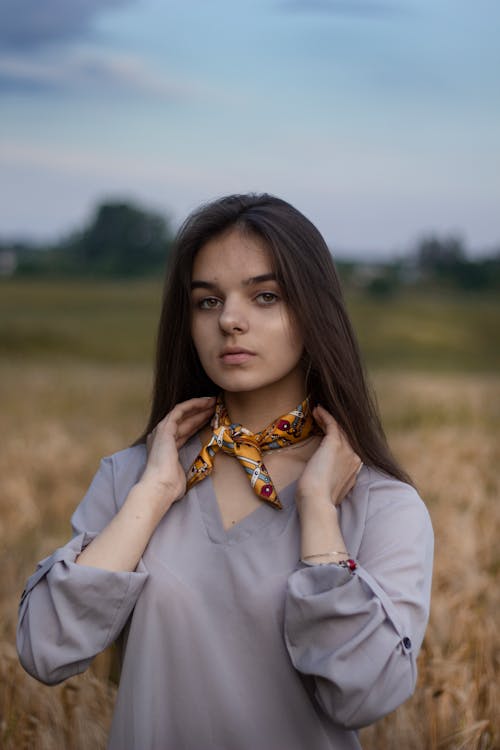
[[267, 297], [208, 303]]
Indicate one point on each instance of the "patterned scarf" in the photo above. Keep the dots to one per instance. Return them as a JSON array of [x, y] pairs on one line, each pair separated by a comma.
[[247, 447]]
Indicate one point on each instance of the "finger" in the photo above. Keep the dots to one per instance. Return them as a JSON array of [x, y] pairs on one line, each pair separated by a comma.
[[324, 417], [181, 431], [194, 403], [177, 429], [346, 488], [328, 418], [192, 424], [351, 481], [332, 428], [185, 408], [180, 441]]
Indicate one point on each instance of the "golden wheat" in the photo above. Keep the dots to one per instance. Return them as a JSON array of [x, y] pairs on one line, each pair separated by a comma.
[[57, 421]]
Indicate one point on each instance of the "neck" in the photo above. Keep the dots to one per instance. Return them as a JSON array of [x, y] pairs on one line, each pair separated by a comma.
[[256, 409]]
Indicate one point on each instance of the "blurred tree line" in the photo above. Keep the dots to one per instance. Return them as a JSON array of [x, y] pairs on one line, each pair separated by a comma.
[[121, 240], [126, 240], [436, 263]]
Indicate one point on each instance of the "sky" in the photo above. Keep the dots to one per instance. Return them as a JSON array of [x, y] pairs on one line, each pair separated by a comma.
[[378, 119]]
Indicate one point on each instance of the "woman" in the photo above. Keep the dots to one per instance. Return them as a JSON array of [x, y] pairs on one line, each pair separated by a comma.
[[263, 559]]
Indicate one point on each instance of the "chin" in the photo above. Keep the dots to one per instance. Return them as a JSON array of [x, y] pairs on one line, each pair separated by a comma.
[[254, 376], [235, 380], [246, 383], [237, 385]]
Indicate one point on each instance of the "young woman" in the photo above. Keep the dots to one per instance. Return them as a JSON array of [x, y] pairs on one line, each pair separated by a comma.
[[263, 559]]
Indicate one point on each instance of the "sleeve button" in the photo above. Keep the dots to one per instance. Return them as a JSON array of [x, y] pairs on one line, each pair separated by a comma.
[[407, 643]]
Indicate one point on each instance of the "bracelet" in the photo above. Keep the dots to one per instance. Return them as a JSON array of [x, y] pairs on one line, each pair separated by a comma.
[[323, 554], [348, 564]]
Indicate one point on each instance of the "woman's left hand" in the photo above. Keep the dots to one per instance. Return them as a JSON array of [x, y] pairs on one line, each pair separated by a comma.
[[332, 469]]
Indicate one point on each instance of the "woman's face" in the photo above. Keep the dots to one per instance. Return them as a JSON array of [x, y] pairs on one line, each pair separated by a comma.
[[241, 326]]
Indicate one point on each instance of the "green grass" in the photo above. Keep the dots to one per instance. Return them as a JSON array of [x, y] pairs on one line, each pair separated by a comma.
[[115, 322], [429, 332], [92, 321]]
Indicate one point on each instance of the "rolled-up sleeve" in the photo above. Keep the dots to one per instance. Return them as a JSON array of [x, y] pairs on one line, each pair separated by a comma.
[[69, 612], [359, 634]]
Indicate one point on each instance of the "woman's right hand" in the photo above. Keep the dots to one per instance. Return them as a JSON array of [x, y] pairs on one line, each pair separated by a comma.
[[122, 542], [163, 469]]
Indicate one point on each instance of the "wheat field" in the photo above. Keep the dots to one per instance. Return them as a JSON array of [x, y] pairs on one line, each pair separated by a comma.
[[57, 420]]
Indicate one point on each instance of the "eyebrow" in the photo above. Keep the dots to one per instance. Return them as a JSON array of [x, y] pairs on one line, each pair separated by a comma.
[[198, 284]]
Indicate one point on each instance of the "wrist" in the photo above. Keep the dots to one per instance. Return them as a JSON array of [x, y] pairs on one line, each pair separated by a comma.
[[317, 505], [157, 484], [153, 495], [320, 529]]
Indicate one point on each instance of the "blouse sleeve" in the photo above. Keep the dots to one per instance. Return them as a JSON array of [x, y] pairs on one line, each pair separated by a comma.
[[69, 612], [358, 634]]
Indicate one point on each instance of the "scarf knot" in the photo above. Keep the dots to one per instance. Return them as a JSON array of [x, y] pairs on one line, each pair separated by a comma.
[[247, 447]]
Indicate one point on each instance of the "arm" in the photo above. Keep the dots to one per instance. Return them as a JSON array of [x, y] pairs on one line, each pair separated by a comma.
[[69, 612], [359, 634], [122, 542], [329, 475], [79, 599]]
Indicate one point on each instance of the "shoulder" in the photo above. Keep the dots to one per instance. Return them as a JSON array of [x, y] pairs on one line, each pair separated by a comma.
[[123, 466], [124, 459], [388, 500], [127, 466], [391, 534], [113, 480]]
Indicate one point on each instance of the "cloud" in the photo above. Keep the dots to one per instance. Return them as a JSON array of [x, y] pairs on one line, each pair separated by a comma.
[[31, 24], [77, 162], [18, 75], [81, 72], [360, 8]]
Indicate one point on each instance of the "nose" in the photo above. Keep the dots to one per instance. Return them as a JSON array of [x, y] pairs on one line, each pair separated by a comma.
[[232, 318]]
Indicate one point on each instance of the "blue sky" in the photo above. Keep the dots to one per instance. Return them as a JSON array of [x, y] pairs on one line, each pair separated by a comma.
[[379, 119]]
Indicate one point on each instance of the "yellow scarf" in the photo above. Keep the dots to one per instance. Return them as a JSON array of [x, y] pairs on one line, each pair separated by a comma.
[[247, 447]]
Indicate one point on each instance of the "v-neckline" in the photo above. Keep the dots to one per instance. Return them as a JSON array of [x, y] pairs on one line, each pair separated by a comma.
[[264, 518]]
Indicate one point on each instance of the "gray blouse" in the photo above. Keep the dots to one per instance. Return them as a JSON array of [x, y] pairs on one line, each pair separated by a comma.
[[229, 642]]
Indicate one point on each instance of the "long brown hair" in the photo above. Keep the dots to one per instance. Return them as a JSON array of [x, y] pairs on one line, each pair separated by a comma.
[[305, 270]]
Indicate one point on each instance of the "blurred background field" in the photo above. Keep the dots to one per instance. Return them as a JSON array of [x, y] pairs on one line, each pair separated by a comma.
[[75, 378], [114, 322]]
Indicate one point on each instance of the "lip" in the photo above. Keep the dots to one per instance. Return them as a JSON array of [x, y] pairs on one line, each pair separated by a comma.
[[235, 355]]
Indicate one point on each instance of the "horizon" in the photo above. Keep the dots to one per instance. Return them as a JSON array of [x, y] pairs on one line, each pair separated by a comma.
[[340, 254]]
